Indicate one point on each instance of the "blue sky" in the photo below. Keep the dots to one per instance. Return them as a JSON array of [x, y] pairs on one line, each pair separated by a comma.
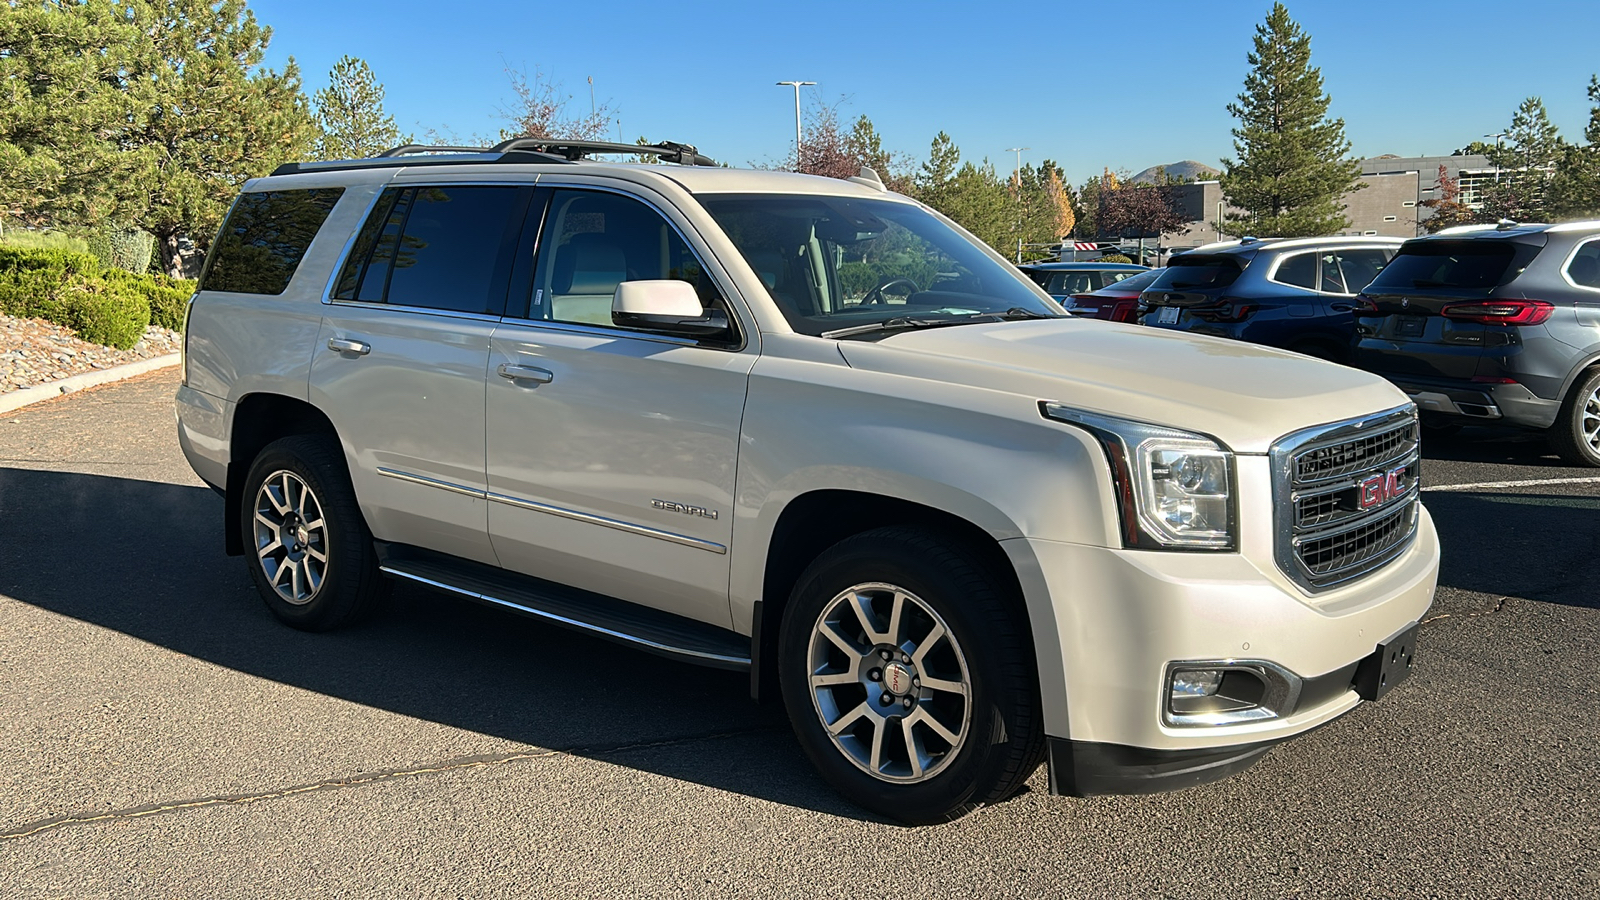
[[1089, 85]]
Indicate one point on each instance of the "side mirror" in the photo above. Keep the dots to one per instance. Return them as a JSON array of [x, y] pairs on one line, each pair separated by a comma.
[[670, 307]]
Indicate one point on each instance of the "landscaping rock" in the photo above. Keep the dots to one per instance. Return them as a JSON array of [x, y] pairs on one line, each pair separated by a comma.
[[35, 352]]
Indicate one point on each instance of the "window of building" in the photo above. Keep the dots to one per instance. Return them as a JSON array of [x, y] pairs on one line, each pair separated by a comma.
[[1391, 218], [264, 239], [1369, 232], [1409, 204]]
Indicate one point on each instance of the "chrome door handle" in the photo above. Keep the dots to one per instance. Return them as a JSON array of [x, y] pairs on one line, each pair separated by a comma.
[[526, 373], [359, 348]]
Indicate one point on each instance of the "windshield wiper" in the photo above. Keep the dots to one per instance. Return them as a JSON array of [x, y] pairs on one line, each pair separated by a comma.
[[897, 323], [1022, 312]]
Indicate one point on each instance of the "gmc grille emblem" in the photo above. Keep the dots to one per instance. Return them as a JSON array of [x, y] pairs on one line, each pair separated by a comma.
[[1376, 490]]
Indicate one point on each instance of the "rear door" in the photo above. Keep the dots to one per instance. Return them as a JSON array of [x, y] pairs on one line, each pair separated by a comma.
[[400, 364]]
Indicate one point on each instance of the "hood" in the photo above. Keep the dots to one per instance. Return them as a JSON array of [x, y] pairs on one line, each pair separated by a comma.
[[1245, 395]]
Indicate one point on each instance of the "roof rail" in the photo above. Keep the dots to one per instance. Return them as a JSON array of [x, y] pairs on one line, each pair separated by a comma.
[[409, 149], [671, 151]]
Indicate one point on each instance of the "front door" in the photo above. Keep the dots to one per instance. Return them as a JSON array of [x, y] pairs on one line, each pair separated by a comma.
[[611, 452]]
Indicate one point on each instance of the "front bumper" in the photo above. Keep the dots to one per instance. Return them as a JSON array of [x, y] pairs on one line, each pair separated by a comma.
[[1121, 616]]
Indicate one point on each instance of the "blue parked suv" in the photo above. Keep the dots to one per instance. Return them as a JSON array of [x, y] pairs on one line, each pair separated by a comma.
[[1297, 294]]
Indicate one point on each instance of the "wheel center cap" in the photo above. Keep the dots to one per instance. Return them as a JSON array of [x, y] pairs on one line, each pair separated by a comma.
[[301, 536], [897, 678]]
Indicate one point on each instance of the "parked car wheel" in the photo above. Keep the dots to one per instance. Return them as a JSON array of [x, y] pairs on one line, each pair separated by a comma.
[[308, 547], [909, 678], [1576, 433]]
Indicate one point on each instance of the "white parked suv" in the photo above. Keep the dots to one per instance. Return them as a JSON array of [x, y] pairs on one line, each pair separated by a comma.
[[810, 429]]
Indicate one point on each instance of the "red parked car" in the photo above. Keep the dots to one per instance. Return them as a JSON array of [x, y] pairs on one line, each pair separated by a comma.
[[1117, 302]]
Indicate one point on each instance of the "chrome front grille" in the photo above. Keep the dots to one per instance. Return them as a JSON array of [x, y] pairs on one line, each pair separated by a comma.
[[1346, 496]]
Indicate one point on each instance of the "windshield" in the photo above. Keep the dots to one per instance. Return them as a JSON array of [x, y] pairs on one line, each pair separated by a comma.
[[837, 262], [1134, 283], [1197, 273]]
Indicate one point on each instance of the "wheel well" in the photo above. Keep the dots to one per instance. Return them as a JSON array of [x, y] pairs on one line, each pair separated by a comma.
[[259, 420], [813, 522]]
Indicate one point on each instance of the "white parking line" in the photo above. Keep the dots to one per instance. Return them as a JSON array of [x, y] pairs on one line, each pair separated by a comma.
[[1491, 485]]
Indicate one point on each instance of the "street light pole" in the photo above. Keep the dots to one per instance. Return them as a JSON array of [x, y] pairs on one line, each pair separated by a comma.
[[1016, 178], [1497, 136], [797, 85]]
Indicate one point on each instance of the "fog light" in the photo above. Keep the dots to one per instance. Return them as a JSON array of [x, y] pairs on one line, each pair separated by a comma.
[[1196, 682]]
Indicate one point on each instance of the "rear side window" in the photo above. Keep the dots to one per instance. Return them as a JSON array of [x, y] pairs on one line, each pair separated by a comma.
[[1298, 271], [446, 248], [1359, 267], [1446, 264], [1199, 273], [1584, 269], [264, 239]]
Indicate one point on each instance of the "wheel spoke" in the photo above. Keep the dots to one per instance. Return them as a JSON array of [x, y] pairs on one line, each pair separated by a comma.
[[261, 519], [279, 506], [848, 645], [878, 729], [833, 679], [837, 726], [317, 555], [278, 573], [295, 580], [934, 725], [266, 550], [941, 684], [920, 655], [896, 615], [863, 610], [913, 747], [312, 525]]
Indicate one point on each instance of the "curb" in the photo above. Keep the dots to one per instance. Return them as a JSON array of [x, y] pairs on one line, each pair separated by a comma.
[[72, 384]]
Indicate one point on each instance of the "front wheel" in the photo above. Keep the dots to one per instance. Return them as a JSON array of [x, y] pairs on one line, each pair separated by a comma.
[[908, 675], [307, 545], [1576, 433]]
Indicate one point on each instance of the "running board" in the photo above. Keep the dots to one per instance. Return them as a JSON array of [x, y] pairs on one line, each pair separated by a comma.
[[651, 630]]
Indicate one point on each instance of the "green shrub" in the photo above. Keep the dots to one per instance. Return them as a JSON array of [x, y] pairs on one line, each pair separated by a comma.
[[166, 297], [44, 240], [105, 312], [120, 247]]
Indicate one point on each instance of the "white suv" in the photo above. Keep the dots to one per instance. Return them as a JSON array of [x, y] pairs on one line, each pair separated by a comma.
[[811, 429]]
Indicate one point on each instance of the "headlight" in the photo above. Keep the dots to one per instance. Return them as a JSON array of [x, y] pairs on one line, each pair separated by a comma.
[[1174, 488]]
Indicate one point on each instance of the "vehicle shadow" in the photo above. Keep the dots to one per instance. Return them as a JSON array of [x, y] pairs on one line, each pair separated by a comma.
[[145, 559], [1532, 546], [1492, 445]]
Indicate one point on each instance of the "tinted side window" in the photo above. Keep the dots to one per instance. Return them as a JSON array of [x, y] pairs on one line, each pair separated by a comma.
[[594, 241], [452, 253], [1447, 264], [1299, 270], [264, 239], [1584, 269], [1359, 267]]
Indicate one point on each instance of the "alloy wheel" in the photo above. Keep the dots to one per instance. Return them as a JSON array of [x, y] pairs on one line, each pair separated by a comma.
[[890, 683], [291, 537], [1589, 420]]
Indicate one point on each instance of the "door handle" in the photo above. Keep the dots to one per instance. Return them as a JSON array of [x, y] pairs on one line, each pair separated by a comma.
[[342, 345], [526, 373], [1341, 307]]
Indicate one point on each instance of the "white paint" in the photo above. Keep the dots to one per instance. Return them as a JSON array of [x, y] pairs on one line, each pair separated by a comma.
[[39, 393], [1490, 485]]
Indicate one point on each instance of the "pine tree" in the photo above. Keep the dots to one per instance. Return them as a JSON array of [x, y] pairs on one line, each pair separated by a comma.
[[1293, 170], [933, 182], [1575, 189], [350, 113], [1526, 161]]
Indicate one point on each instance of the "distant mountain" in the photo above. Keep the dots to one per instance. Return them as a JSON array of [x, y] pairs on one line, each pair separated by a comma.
[[1188, 169]]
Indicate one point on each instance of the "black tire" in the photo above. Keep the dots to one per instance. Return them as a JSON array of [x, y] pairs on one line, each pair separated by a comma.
[[1580, 408], [1003, 741], [346, 586]]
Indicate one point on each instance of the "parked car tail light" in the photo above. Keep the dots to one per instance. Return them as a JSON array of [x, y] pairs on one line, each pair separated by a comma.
[[1120, 310], [1492, 379], [1227, 310], [1500, 312], [1365, 306]]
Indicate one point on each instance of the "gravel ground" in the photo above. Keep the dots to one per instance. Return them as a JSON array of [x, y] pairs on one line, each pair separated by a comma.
[[35, 352]]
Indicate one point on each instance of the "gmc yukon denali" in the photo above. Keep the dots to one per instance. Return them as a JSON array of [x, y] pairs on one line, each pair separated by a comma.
[[811, 430]]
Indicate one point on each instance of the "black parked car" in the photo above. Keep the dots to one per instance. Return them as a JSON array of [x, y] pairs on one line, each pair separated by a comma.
[[1494, 324], [1297, 294]]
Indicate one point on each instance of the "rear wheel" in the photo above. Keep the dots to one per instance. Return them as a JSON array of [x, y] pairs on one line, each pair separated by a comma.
[[908, 676], [307, 545], [1576, 434]]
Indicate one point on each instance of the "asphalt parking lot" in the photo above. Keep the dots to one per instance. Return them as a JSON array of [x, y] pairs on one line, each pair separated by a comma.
[[162, 735]]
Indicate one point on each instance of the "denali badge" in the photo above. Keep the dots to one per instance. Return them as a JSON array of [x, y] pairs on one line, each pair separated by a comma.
[[684, 508], [1379, 489]]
